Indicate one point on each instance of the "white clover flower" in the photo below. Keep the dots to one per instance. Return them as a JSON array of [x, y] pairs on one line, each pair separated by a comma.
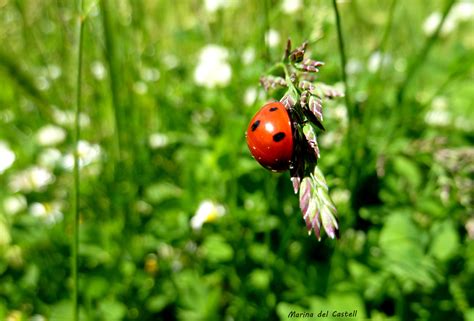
[[433, 20], [248, 56], [291, 6], [170, 61], [208, 211], [54, 71], [50, 135], [157, 140], [354, 66], [376, 60], [88, 154], [438, 115], [214, 5], [14, 204], [250, 96], [462, 11], [150, 74], [49, 212], [49, 158], [7, 157], [98, 70], [67, 118], [42, 83], [31, 179], [439, 118], [272, 38], [213, 70]]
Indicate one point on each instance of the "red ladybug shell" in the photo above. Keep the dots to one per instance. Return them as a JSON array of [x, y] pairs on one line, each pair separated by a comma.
[[270, 137]]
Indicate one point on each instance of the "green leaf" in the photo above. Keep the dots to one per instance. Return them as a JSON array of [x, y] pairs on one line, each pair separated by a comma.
[[445, 240], [112, 310], [260, 279], [157, 303], [216, 249], [160, 192], [409, 170]]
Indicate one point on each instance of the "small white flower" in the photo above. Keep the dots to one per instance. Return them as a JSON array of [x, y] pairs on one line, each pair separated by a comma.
[[291, 6], [157, 140], [88, 154], [376, 60], [214, 5], [7, 157], [213, 70], [50, 135], [49, 158], [170, 61], [38, 317], [431, 24], [31, 179], [67, 118], [438, 115], [353, 66], [208, 211], [42, 83], [150, 74], [272, 38], [438, 118], [250, 96], [14, 204], [439, 103], [54, 71], [98, 70], [248, 56], [462, 11], [340, 113], [49, 212], [5, 237]]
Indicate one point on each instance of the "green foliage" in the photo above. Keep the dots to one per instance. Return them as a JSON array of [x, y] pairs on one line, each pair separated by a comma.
[[176, 221]]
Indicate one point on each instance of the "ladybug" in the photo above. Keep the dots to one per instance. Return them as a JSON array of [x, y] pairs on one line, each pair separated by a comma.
[[270, 137]]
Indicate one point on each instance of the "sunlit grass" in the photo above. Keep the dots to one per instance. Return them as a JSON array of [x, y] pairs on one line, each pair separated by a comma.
[[156, 145]]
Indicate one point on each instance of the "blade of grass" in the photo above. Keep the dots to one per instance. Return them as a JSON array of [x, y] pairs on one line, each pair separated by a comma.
[[22, 80], [111, 56], [352, 110], [420, 59], [77, 134]]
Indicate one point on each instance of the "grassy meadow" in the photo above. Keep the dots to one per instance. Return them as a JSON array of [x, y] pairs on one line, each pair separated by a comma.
[[127, 191]]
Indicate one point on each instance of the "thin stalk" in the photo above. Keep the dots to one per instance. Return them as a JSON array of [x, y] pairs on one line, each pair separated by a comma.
[[386, 34], [111, 57], [352, 111], [421, 57], [266, 28], [77, 135]]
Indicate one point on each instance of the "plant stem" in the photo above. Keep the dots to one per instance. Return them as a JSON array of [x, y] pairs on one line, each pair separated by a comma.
[[77, 134], [421, 57], [352, 111]]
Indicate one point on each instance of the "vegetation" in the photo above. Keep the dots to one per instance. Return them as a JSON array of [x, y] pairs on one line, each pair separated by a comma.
[[173, 218]]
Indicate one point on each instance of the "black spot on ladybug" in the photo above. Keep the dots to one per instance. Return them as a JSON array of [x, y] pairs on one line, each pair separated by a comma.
[[255, 125], [273, 109], [278, 136]]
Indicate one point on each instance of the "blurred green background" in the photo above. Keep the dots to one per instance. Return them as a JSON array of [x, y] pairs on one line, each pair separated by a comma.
[[177, 221]]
